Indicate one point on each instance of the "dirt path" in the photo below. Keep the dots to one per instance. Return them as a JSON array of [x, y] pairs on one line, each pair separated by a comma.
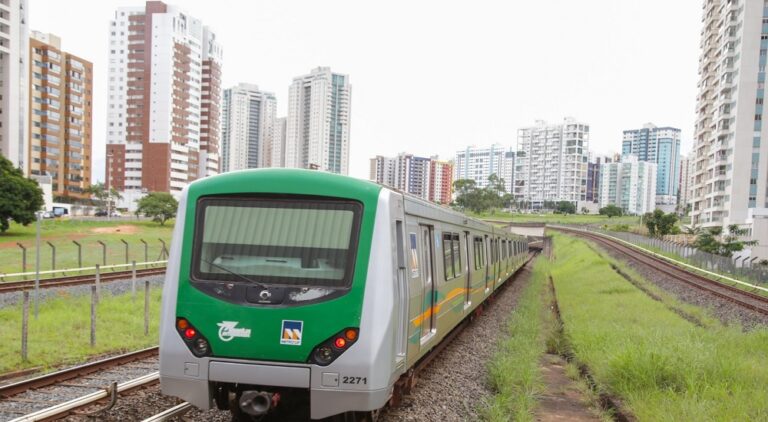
[[562, 400]]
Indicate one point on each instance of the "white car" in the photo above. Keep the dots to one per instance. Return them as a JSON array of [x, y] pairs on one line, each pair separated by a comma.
[[115, 214]]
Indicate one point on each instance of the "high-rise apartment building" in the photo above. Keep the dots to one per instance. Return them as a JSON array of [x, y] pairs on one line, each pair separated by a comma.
[[552, 162], [14, 82], [683, 192], [428, 178], [478, 163], [317, 127], [248, 128], [440, 181], [60, 119], [660, 145], [163, 118], [730, 152], [278, 145], [406, 172], [594, 169], [629, 184]]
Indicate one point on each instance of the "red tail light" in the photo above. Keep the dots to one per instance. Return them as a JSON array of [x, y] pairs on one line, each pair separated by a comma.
[[196, 342]]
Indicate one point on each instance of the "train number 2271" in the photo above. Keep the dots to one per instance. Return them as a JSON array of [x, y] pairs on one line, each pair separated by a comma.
[[354, 380]]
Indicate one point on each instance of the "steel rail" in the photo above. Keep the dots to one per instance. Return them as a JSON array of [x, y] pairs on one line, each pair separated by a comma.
[[11, 390], [733, 294], [79, 270], [15, 286], [64, 409], [177, 410]]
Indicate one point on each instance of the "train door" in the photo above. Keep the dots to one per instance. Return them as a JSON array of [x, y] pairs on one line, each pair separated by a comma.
[[498, 260], [401, 294], [468, 296], [487, 246], [494, 258], [428, 282]]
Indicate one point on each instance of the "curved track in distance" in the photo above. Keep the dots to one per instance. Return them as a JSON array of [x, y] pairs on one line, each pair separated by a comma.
[[743, 298]]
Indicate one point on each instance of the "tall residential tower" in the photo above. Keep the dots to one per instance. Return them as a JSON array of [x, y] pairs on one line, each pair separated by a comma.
[[248, 128], [552, 161], [14, 82], [660, 145], [730, 153], [317, 128], [162, 109], [60, 119]]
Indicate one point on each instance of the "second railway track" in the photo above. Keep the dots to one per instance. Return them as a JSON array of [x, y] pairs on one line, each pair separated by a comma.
[[60, 393], [16, 286], [742, 298]]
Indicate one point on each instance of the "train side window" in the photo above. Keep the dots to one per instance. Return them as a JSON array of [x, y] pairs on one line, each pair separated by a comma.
[[451, 255], [504, 251], [479, 252], [414, 255], [448, 257], [456, 255]]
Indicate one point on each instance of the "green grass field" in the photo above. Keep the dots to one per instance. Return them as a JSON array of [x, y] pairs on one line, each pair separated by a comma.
[[661, 365], [514, 370], [558, 218], [61, 334], [61, 233]]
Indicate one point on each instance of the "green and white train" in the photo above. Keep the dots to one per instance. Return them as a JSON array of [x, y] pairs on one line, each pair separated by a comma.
[[292, 289]]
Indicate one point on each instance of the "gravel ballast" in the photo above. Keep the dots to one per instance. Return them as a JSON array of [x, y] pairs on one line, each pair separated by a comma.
[[451, 388]]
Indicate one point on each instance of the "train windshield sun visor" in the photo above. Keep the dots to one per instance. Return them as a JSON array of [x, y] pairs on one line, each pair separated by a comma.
[[289, 242]]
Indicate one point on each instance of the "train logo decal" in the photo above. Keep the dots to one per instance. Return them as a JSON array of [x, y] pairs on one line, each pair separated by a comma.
[[291, 332], [227, 331]]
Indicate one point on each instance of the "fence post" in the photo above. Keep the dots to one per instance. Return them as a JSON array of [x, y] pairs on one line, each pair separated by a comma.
[[164, 251], [24, 326], [23, 257], [126, 249], [97, 287], [133, 280], [79, 254], [53, 255], [146, 307], [103, 252], [94, 301], [146, 250]]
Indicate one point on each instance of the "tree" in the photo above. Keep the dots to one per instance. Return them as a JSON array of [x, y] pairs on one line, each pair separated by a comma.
[[159, 205], [20, 197], [565, 207], [104, 196], [730, 243], [584, 210], [469, 196], [659, 223], [611, 211]]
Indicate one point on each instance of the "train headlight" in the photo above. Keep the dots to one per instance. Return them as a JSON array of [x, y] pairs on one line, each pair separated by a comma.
[[200, 347], [323, 355], [327, 351]]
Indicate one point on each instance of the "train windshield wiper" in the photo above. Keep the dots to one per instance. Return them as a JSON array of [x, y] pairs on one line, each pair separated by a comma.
[[248, 279]]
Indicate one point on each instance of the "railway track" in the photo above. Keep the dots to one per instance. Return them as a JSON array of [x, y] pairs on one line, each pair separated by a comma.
[[16, 286], [743, 298], [58, 394]]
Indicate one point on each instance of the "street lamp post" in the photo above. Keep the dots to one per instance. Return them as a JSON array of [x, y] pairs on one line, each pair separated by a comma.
[[38, 217]]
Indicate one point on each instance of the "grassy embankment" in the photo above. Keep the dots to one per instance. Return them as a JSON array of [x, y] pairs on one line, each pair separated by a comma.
[[514, 371], [61, 233], [663, 366], [557, 218], [61, 334], [663, 359]]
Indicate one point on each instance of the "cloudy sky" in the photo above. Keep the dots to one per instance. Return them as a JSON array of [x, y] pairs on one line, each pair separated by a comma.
[[430, 77]]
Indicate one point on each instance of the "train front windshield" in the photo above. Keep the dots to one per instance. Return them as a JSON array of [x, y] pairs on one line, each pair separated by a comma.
[[292, 242]]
